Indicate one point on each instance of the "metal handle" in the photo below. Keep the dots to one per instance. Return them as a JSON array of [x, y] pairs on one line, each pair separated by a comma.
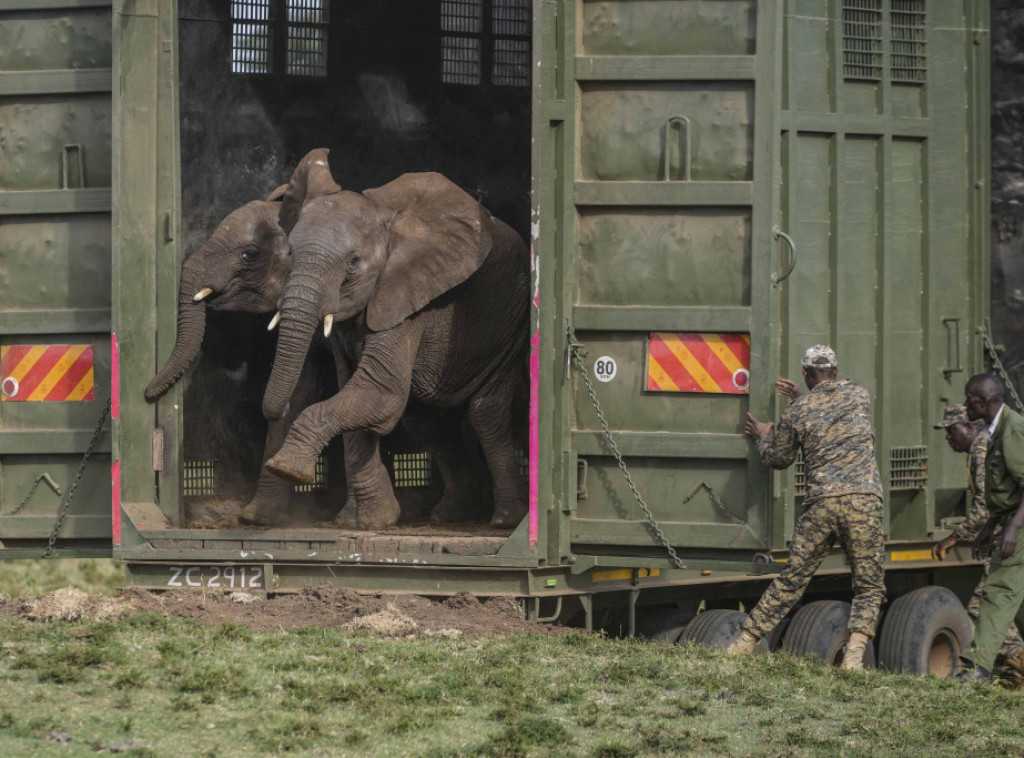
[[65, 160], [776, 234], [952, 336], [684, 125]]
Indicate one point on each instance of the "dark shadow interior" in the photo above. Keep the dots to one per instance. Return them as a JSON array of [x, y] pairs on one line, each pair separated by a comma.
[[389, 87]]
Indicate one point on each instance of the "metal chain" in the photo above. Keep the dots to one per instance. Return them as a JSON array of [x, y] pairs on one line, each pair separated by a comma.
[[997, 364], [577, 352], [32, 491], [716, 501], [64, 506]]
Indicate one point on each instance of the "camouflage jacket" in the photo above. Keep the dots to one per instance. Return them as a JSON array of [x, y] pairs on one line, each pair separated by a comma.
[[977, 514], [832, 423]]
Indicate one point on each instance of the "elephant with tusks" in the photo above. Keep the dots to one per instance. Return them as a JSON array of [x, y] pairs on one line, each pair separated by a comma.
[[424, 296]]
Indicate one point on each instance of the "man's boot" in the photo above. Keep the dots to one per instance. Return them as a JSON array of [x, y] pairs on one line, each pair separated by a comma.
[[743, 645], [853, 657]]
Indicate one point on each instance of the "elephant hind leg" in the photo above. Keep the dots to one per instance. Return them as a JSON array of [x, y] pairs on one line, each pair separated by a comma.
[[490, 413]]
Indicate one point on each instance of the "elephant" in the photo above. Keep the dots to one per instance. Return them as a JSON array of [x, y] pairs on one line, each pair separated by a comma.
[[430, 296], [243, 267]]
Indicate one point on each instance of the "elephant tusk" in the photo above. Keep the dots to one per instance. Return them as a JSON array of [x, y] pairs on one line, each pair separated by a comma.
[[204, 293], [328, 323], [274, 321]]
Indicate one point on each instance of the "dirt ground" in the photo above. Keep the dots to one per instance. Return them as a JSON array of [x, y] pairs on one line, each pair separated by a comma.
[[393, 616]]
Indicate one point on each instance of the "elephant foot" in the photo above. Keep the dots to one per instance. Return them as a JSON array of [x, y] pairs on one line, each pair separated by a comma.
[[508, 513], [378, 514], [264, 513], [447, 511], [347, 518], [293, 467]]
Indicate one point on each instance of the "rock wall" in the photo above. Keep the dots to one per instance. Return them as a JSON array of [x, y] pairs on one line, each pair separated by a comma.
[[1008, 183]]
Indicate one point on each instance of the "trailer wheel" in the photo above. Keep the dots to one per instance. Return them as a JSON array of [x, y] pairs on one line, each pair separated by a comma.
[[716, 628], [665, 624], [924, 632], [819, 629]]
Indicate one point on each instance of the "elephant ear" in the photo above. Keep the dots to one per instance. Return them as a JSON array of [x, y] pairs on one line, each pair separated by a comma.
[[310, 180], [278, 193], [437, 237]]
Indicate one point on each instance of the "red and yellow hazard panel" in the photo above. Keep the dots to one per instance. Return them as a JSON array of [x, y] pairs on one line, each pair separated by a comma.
[[48, 373], [697, 362]]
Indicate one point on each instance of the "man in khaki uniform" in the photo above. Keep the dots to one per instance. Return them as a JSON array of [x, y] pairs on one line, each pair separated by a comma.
[[964, 436], [832, 424], [1003, 596]]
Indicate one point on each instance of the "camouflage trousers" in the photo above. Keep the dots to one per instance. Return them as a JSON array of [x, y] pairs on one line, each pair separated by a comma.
[[1013, 645], [856, 521]]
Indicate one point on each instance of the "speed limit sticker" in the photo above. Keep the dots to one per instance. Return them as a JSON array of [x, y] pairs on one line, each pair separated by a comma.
[[604, 368]]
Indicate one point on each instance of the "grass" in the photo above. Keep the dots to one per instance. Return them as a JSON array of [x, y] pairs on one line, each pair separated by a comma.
[[151, 686], [22, 578]]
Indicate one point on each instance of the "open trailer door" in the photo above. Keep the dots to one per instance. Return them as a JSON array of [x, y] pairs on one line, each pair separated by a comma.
[[55, 203], [668, 258]]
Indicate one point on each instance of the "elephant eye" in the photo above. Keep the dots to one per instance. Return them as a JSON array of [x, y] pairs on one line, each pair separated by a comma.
[[249, 255], [353, 261]]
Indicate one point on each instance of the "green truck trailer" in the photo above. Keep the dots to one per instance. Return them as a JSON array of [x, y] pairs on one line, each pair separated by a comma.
[[708, 187]]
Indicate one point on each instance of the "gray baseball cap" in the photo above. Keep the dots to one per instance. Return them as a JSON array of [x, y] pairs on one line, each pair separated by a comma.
[[819, 356]]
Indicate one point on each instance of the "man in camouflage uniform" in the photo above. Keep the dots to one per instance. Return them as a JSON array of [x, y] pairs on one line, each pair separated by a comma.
[[844, 499], [965, 437]]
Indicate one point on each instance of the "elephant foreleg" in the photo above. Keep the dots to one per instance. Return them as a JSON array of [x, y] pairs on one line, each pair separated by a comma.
[[268, 506], [372, 400], [371, 500]]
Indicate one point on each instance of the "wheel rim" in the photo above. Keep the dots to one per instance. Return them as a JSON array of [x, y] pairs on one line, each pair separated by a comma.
[[943, 654]]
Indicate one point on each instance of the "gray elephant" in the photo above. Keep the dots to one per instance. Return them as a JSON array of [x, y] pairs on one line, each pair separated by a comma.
[[430, 295], [243, 267]]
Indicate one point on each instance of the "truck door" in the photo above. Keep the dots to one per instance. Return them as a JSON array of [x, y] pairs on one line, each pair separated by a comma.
[[55, 203], [661, 143]]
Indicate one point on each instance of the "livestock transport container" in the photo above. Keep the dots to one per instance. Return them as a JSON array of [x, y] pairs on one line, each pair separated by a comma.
[[707, 186]]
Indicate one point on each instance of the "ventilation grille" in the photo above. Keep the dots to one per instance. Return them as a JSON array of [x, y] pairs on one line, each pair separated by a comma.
[[511, 63], [199, 478], [524, 463], [800, 476], [307, 38], [862, 39], [462, 16], [460, 60], [412, 469], [908, 41], [908, 468], [320, 480], [251, 37]]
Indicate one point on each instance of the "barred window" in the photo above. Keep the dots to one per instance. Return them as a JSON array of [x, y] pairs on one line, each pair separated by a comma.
[[862, 39], [279, 36], [908, 41], [486, 42]]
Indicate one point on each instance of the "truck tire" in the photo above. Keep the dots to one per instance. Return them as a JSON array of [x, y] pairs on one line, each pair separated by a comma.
[[716, 628], [924, 632], [664, 624], [819, 629]]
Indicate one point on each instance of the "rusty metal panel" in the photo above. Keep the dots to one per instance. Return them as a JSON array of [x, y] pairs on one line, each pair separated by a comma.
[[55, 269]]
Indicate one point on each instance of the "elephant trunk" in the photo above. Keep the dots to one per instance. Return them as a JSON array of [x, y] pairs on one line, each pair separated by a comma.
[[189, 337], [301, 309]]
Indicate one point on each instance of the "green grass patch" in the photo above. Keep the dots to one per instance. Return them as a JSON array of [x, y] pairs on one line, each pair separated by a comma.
[[154, 686], [25, 578]]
